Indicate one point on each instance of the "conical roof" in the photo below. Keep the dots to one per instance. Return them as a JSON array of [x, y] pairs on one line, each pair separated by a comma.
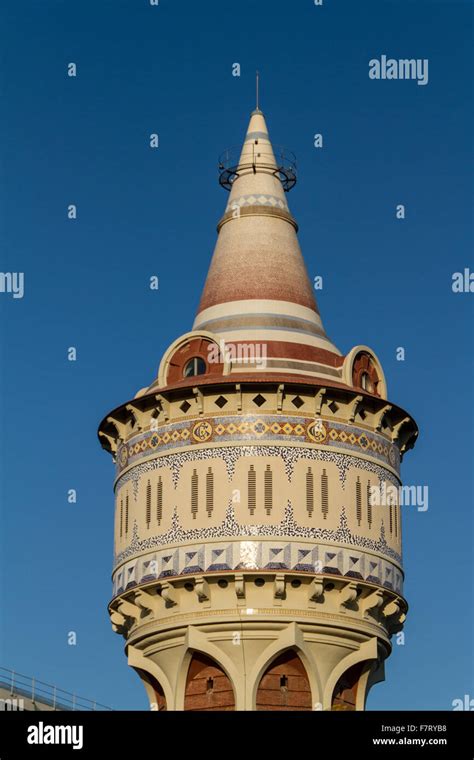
[[257, 290]]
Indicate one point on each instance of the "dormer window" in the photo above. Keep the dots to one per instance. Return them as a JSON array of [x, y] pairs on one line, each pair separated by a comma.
[[364, 373], [196, 356], [195, 366]]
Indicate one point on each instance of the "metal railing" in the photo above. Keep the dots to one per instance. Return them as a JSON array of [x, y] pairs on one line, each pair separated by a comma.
[[40, 692], [276, 160]]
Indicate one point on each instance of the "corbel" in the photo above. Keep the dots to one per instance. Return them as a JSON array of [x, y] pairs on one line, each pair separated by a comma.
[[391, 609], [319, 400], [201, 587], [238, 391], [397, 428], [154, 421], [239, 586], [347, 594], [121, 428], [378, 418], [168, 595], [409, 440], [142, 419], [111, 441], [128, 609], [164, 406], [279, 588], [354, 407], [147, 601], [371, 602], [280, 394], [316, 590], [119, 622], [199, 400]]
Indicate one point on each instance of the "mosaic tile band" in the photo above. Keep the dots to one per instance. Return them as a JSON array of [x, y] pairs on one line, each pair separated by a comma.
[[272, 428], [287, 529], [230, 455], [258, 555]]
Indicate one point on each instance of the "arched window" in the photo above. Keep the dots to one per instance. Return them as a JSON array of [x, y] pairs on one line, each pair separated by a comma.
[[195, 357], [195, 366], [284, 685], [207, 686], [364, 373]]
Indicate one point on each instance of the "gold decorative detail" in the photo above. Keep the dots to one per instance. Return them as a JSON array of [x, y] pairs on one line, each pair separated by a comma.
[[317, 431], [202, 431]]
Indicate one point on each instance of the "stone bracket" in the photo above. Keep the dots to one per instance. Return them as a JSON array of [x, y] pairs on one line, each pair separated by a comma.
[[240, 588], [129, 610], [378, 418], [164, 406], [119, 622], [201, 587], [347, 594], [398, 427], [319, 401], [147, 602], [167, 595], [111, 440], [198, 395], [316, 590], [354, 407], [142, 419], [371, 602], [280, 396], [391, 609], [279, 588], [238, 390], [120, 427]]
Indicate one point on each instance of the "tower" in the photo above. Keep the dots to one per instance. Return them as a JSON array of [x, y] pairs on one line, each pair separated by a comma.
[[257, 525]]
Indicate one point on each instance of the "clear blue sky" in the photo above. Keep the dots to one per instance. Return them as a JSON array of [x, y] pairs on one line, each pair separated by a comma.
[[387, 283]]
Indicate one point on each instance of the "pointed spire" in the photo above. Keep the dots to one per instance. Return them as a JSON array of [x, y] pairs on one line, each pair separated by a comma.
[[257, 289]]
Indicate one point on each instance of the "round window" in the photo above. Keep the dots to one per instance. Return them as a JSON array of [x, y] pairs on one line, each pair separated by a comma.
[[195, 366]]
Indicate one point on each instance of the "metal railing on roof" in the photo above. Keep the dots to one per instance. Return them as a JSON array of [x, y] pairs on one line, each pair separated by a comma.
[[40, 692]]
